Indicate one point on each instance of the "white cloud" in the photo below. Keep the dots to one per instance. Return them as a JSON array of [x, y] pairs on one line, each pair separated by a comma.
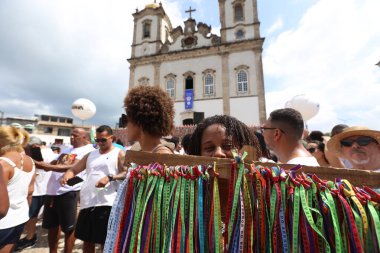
[[198, 2], [330, 56], [277, 25], [54, 52], [175, 12]]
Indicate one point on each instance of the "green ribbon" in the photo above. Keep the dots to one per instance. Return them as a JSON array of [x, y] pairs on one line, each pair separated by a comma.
[[137, 217], [296, 219], [309, 217]]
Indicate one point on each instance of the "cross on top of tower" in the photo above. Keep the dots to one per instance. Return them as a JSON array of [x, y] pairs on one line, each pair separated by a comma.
[[190, 11]]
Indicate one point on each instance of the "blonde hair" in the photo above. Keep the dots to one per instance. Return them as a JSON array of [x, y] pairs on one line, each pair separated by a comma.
[[12, 139]]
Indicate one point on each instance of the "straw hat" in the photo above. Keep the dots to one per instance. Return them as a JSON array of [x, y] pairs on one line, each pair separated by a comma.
[[334, 145]]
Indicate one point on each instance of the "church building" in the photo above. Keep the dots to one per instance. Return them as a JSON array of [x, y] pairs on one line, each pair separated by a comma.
[[205, 74]]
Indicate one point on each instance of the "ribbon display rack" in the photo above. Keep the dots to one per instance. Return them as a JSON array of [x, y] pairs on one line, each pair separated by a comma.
[[173, 203]]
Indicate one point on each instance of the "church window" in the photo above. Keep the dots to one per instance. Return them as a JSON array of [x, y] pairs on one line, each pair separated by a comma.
[[242, 81], [238, 11], [240, 34], [170, 88], [209, 85], [189, 83], [146, 29], [143, 81]]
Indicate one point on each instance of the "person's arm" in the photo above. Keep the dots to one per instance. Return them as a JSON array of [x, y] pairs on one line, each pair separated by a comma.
[[75, 169], [121, 169], [54, 167], [4, 199], [31, 189], [120, 166]]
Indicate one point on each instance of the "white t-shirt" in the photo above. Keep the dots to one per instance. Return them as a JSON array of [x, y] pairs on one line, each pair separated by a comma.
[[42, 177], [305, 160], [54, 186], [98, 166]]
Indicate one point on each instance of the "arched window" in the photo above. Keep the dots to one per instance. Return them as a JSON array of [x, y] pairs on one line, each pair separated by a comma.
[[242, 81], [146, 28], [189, 83], [170, 88], [189, 88], [209, 82], [189, 78], [239, 13], [143, 81]]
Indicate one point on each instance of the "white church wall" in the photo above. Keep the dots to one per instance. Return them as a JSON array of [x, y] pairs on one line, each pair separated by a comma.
[[248, 33], [164, 28], [145, 49], [177, 45], [245, 109], [209, 107], [243, 58], [196, 65], [202, 41], [144, 71]]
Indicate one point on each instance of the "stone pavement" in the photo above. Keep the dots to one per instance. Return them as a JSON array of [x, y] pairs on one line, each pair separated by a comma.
[[42, 242]]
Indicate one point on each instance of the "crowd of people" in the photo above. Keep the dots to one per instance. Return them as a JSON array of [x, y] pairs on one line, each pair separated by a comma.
[[87, 175]]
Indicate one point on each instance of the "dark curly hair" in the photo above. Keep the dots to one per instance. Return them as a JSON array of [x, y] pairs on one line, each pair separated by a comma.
[[150, 108], [240, 133]]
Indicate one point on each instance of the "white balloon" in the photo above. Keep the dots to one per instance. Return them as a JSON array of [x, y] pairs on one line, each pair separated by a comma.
[[83, 108], [307, 107]]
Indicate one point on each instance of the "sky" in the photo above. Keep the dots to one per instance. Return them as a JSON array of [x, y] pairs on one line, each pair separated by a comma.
[[54, 52]]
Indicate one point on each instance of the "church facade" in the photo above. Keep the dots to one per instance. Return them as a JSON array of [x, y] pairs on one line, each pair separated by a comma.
[[205, 74]]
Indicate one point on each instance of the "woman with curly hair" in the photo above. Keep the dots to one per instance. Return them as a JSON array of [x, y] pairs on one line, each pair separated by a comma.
[[219, 135], [150, 115], [18, 175]]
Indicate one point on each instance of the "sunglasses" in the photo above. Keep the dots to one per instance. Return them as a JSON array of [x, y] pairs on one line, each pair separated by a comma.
[[102, 140], [311, 150], [361, 141], [262, 129]]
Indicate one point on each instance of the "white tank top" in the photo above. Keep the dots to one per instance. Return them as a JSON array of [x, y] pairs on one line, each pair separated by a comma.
[[18, 185], [54, 186], [98, 166]]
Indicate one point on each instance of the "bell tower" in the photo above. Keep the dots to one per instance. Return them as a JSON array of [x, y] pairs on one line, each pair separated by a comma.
[[239, 20], [151, 30]]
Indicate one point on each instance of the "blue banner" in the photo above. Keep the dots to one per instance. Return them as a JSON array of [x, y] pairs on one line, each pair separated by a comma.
[[189, 97]]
